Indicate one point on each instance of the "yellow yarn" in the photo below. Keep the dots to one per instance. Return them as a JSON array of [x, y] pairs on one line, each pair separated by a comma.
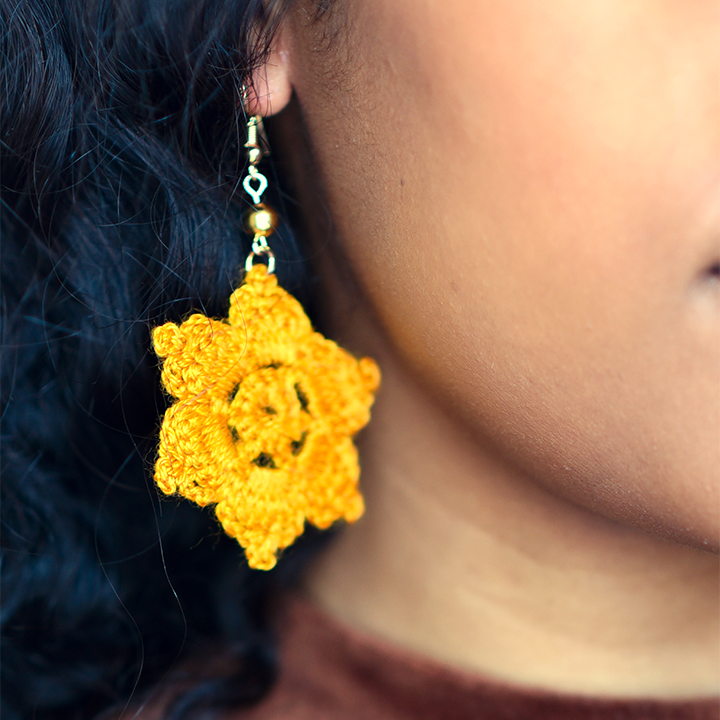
[[263, 424]]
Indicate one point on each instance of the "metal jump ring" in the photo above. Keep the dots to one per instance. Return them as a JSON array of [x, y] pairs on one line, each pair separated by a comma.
[[270, 260]]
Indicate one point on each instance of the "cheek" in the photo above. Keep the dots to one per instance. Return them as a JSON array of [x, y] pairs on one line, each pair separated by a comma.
[[590, 357], [594, 368], [535, 248]]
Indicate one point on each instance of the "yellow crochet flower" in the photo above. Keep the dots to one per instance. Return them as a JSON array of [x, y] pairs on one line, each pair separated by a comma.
[[263, 424]]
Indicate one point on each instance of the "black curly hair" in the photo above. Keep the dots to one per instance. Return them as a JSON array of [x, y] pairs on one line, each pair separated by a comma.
[[120, 151]]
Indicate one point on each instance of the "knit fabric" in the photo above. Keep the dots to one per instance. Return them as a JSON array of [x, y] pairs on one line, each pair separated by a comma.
[[329, 671], [263, 424]]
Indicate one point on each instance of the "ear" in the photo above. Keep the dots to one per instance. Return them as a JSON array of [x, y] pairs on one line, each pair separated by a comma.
[[270, 86]]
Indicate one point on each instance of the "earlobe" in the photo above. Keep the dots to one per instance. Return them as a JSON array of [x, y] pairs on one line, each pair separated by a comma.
[[270, 87]]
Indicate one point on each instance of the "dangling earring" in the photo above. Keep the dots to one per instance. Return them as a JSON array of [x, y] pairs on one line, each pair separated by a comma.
[[265, 407]]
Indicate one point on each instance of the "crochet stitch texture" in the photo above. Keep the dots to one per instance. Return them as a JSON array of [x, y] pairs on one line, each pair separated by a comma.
[[263, 423]]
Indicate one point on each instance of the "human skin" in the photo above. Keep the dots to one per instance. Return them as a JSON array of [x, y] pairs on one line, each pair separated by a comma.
[[514, 207]]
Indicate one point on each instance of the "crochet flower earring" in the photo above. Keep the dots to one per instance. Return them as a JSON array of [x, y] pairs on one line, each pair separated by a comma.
[[265, 408]]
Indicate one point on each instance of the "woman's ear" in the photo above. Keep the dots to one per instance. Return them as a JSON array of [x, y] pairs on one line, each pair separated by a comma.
[[270, 86]]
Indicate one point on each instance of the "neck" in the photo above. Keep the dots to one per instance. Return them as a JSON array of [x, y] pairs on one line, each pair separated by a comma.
[[463, 558]]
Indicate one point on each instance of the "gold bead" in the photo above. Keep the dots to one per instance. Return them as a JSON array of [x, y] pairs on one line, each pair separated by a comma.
[[260, 220]]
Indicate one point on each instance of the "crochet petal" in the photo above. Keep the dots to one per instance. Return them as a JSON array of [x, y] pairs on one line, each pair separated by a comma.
[[265, 514], [196, 452], [331, 481]]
